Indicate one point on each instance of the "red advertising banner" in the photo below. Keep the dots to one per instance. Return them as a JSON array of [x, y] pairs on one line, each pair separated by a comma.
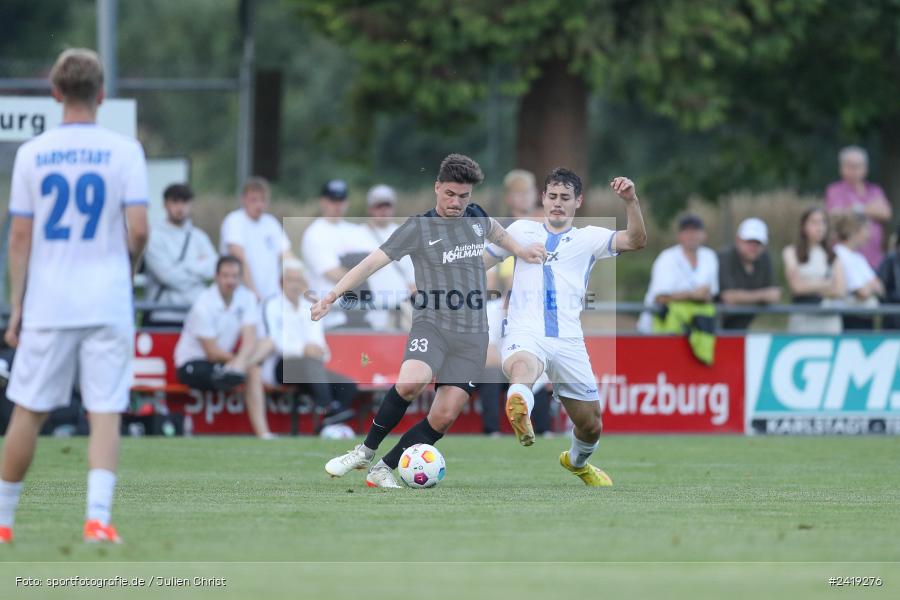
[[646, 384], [659, 387]]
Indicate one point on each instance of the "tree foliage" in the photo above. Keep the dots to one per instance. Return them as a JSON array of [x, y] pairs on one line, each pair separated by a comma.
[[436, 58], [706, 66]]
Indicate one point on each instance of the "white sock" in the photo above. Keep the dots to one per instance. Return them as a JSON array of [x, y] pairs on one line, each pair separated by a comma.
[[101, 485], [580, 452], [9, 500], [525, 392]]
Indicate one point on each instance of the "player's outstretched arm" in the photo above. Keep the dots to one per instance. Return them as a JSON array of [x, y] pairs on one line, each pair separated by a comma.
[[535, 253], [19, 253], [634, 237], [355, 276]]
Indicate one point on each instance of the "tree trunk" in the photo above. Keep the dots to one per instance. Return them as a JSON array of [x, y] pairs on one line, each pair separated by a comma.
[[552, 123], [890, 166]]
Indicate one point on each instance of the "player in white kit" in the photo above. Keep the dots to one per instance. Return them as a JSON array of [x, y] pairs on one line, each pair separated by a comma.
[[543, 327], [79, 223]]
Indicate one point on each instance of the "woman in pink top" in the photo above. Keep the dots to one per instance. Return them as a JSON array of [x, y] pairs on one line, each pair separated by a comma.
[[854, 193]]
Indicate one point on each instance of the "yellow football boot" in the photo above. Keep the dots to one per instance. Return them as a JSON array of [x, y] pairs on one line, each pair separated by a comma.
[[589, 474]]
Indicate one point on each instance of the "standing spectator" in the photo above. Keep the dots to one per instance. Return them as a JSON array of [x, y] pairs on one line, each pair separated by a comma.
[[300, 350], [223, 315], [889, 273], [391, 287], [331, 246], [853, 192], [520, 196], [257, 239], [180, 259], [814, 274], [863, 285], [686, 271], [745, 273]]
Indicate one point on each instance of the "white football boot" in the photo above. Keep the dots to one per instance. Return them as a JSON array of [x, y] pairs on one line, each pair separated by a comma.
[[354, 459], [381, 476]]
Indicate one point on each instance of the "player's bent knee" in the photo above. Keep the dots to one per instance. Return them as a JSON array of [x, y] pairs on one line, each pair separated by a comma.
[[441, 420], [410, 390]]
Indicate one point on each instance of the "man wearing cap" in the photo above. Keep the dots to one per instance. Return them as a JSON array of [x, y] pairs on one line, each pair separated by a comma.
[[686, 271], [392, 287], [331, 246], [257, 239], [180, 259], [745, 272]]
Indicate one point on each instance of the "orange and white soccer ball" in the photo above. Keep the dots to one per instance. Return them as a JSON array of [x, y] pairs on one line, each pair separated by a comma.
[[422, 466]]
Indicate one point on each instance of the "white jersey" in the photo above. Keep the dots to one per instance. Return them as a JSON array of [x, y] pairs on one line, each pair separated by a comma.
[[211, 318], [74, 182], [263, 241], [547, 299]]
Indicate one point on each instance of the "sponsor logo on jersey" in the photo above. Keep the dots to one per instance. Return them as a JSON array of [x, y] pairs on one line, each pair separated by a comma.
[[464, 251]]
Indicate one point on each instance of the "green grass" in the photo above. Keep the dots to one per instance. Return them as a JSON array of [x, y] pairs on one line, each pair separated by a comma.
[[686, 499]]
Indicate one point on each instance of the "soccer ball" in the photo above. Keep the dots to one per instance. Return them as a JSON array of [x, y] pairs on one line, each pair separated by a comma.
[[422, 466], [339, 431]]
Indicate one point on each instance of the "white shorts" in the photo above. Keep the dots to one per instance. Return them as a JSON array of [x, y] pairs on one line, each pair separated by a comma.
[[565, 360], [47, 361]]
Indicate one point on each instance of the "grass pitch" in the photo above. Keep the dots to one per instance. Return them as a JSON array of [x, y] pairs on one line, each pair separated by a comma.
[[506, 522]]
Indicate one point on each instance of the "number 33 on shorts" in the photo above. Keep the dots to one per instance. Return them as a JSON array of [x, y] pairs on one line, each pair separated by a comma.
[[418, 345]]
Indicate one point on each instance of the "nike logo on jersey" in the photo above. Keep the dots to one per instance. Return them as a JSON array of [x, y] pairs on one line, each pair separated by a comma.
[[430, 243]]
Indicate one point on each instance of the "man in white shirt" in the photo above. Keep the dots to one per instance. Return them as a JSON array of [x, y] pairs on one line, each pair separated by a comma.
[[301, 351], [391, 287], [224, 314], [330, 247], [687, 271], [79, 224], [180, 259], [543, 328], [257, 239]]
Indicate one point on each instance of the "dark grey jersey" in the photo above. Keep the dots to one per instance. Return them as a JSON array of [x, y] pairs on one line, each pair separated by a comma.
[[447, 257]]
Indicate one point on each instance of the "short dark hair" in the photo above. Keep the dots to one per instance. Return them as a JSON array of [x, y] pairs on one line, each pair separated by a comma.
[[690, 221], [178, 191], [566, 177], [228, 259], [458, 168]]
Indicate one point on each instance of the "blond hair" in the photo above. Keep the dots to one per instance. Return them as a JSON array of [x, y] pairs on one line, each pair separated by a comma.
[[519, 180], [78, 75], [256, 184], [847, 223]]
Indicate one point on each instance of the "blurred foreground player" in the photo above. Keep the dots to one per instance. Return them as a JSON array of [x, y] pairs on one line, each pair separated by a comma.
[[449, 335], [543, 332], [79, 224]]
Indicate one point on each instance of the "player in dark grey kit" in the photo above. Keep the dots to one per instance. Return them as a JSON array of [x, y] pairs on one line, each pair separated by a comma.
[[448, 339]]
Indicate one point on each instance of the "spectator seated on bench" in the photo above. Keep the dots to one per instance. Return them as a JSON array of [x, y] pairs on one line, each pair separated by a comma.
[[223, 315], [300, 350]]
